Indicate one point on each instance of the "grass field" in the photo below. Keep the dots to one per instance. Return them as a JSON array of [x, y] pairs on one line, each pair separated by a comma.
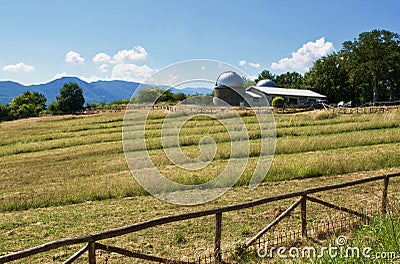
[[59, 172]]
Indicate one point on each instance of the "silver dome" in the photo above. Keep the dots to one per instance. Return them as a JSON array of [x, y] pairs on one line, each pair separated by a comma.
[[230, 79], [266, 83]]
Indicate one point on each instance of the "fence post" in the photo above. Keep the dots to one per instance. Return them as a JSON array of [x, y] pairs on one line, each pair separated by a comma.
[[304, 216], [92, 252], [218, 231], [384, 194]]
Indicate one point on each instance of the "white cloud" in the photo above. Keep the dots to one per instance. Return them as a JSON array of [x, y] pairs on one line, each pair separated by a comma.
[[251, 64], [74, 57], [135, 54], [303, 58], [119, 65], [93, 78], [59, 75], [103, 68], [19, 67], [254, 65], [131, 72], [101, 57]]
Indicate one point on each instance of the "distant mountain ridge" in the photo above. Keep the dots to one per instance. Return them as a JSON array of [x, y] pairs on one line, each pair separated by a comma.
[[94, 92]]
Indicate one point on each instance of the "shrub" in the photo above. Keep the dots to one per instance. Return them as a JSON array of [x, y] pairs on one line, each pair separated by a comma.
[[28, 104], [278, 102], [53, 108]]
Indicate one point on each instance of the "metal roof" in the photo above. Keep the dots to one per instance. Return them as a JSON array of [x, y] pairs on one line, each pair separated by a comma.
[[287, 92], [266, 83], [251, 94]]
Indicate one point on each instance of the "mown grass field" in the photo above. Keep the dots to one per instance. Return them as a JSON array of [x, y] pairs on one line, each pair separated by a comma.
[[67, 175]]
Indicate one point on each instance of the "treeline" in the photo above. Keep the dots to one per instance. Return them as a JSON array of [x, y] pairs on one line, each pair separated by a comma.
[[33, 104], [158, 95], [165, 96], [71, 100], [365, 69]]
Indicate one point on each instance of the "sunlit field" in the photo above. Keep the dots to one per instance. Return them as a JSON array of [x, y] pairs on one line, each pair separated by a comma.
[[64, 176], [62, 160]]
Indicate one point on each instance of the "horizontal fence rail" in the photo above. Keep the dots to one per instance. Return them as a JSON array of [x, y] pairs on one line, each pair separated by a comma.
[[92, 245]]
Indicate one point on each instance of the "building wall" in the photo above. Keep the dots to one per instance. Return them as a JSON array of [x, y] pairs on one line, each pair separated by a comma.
[[229, 95], [292, 100]]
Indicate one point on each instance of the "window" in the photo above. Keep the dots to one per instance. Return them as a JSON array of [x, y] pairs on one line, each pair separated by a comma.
[[293, 101]]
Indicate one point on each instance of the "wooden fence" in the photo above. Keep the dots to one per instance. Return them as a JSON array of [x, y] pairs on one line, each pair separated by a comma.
[[92, 241], [366, 110]]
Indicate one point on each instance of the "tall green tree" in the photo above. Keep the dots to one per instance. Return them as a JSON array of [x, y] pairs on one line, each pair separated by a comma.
[[148, 95], [166, 96], [71, 98], [179, 97], [328, 76], [265, 74], [289, 80], [28, 104], [4, 112], [373, 63]]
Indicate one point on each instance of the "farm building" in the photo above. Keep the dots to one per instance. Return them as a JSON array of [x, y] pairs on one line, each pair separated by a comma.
[[294, 97], [229, 87]]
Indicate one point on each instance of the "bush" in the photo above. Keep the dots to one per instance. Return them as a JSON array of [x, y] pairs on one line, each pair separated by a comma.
[[28, 104], [278, 102], [53, 108]]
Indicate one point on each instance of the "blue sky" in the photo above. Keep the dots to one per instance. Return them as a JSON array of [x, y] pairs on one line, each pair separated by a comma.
[[129, 40]]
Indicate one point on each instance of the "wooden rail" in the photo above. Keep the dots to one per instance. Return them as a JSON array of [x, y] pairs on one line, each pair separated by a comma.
[[91, 239]]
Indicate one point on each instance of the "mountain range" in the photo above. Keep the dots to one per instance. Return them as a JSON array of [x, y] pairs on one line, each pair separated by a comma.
[[94, 92]]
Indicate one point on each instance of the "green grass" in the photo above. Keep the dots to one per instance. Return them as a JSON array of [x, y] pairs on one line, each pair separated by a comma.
[[67, 176], [380, 239], [62, 160]]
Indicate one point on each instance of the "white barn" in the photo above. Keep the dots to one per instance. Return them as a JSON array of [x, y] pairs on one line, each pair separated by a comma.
[[267, 90]]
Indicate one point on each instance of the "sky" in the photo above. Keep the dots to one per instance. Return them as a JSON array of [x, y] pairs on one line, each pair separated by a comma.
[[130, 39]]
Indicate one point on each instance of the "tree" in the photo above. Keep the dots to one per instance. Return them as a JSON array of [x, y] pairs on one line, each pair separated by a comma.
[[166, 96], [248, 82], [53, 108], [71, 98], [265, 74], [328, 76], [27, 104], [289, 80], [373, 62], [180, 97], [4, 112], [148, 95], [158, 95]]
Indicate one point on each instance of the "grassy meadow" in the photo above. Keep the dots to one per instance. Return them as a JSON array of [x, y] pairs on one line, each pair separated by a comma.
[[61, 170], [70, 159]]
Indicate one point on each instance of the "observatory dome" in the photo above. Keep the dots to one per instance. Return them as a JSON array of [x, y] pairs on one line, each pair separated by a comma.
[[266, 83], [230, 79]]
